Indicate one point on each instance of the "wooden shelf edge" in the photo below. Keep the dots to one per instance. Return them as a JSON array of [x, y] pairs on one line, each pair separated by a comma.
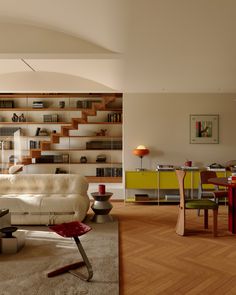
[[72, 109], [61, 95], [31, 123], [62, 123], [97, 179]]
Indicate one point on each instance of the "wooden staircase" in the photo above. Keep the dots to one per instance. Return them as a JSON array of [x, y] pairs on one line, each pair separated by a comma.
[[65, 129]]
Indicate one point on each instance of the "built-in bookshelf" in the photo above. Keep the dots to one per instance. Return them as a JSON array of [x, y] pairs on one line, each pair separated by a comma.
[[58, 130]]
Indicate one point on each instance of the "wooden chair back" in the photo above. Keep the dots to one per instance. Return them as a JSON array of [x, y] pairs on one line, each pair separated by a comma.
[[205, 175], [181, 176]]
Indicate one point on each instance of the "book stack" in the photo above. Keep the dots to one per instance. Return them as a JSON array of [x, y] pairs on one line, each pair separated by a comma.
[[37, 104]]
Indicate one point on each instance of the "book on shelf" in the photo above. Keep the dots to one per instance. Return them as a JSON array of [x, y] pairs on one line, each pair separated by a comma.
[[104, 145], [38, 105], [63, 158], [114, 117], [86, 104], [7, 104], [109, 172], [8, 131], [51, 118], [33, 144]]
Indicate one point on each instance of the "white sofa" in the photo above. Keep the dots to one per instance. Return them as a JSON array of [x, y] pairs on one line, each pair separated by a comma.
[[44, 198]]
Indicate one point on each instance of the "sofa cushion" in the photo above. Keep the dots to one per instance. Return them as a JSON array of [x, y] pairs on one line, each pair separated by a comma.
[[43, 183], [44, 198]]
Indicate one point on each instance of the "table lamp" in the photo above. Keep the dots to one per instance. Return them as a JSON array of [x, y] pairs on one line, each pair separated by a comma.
[[140, 151]]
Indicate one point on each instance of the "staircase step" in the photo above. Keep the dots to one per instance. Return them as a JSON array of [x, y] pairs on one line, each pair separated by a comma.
[[74, 123], [91, 112], [64, 131], [99, 106], [55, 137], [45, 145], [35, 153], [26, 161]]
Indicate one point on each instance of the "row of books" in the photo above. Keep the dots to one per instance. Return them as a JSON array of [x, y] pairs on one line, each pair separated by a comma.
[[6, 145], [50, 118], [33, 144], [85, 104], [104, 145], [109, 172], [63, 158], [6, 103], [8, 131], [114, 117]]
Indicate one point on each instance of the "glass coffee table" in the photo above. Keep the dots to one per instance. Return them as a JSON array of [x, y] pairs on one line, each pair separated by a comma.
[[101, 207]]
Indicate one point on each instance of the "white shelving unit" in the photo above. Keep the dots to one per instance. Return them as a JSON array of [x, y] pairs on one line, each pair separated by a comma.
[[75, 144]]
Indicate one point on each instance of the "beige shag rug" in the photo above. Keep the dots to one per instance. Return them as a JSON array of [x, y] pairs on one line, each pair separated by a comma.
[[26, 272]]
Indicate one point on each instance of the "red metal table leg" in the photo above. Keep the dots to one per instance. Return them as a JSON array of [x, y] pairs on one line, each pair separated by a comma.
[[232, 209]]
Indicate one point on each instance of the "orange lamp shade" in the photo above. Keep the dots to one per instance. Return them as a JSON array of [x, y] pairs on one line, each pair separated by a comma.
[[141, 151]]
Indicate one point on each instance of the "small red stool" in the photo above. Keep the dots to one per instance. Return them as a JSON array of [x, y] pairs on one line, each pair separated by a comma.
[[73, 229]]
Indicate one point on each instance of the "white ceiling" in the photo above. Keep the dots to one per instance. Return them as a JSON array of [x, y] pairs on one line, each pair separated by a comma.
[[129, 45]]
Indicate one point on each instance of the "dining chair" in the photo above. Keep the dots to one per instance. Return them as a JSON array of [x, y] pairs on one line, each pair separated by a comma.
[[206, 192], [216, 193], [205, 204]]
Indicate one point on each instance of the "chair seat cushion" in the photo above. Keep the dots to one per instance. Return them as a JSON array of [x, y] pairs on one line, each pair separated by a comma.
[[200, 204], [71, 229]]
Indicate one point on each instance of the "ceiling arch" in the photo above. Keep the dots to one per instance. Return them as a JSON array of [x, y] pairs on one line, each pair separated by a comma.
[[48, 82], [27, 41]]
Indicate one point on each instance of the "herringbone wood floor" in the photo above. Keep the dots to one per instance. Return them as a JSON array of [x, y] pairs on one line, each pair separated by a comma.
[[154, 260]]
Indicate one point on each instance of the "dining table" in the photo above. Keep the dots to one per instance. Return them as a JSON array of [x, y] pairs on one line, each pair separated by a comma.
[[231, 188]]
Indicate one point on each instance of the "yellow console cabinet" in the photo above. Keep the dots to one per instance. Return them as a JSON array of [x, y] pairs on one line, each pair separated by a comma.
[[168, 180], [140, 180]]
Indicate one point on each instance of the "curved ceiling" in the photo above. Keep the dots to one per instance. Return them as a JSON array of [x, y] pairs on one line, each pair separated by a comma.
[[48, 82], [19, 41], [167, 46], [99, 22]]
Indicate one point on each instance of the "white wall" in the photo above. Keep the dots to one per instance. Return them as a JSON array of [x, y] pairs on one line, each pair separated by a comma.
[[161, 122]]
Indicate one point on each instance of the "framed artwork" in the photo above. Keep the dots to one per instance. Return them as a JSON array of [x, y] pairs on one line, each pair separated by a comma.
[[204, 128]]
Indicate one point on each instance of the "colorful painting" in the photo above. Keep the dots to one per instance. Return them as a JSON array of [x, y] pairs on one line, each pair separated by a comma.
[[204, 129]]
